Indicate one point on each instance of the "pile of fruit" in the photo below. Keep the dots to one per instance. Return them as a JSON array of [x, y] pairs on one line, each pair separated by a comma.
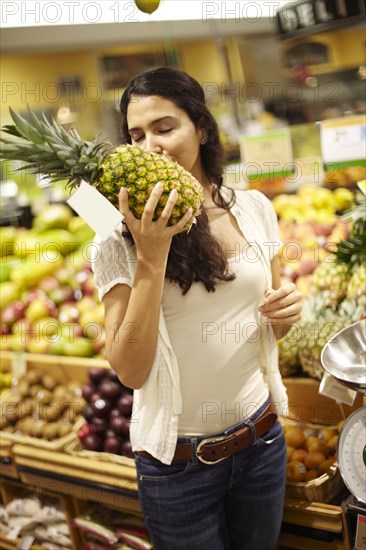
[[49, 302], [310, 452], [107, 413], [335, 298], [38, 406], [311, 226], [101, 527]]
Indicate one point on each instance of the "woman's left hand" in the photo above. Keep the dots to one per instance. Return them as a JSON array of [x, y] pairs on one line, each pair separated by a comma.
[[283, 305]]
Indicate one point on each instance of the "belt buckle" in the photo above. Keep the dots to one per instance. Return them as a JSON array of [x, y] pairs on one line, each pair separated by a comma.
[[209, 440]]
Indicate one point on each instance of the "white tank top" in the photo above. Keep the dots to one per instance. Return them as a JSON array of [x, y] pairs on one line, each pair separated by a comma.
[[215, 337]]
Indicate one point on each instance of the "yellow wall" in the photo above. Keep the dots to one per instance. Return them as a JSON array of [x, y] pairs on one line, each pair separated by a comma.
[[31, 79], [346, 48], [203, 61]]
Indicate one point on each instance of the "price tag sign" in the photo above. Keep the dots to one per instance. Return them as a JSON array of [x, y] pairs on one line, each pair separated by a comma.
[[267, 153], [343, 139], [360, 542], [333, 389]]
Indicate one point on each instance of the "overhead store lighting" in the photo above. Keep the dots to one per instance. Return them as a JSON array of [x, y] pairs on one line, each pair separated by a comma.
[[25, 13]]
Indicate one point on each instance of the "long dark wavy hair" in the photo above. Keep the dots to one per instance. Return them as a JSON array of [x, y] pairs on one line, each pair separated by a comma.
[[195, 256]]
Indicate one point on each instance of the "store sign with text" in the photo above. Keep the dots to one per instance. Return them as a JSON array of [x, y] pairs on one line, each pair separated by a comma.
[[308, 14], [343, 139], [268, 153]]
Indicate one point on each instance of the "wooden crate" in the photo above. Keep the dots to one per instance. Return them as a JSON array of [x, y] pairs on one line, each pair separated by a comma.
[[60, 367], [15, 489], [78, 477], [7, 462], [314, 526], [307, 405]]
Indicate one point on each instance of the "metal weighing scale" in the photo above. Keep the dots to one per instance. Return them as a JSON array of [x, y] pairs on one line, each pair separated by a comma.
[[344, 357]]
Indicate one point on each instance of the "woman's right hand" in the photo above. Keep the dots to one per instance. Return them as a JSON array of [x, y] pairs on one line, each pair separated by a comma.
[[153, 238]]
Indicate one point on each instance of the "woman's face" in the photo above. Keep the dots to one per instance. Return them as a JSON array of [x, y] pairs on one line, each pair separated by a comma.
[[157, 124]]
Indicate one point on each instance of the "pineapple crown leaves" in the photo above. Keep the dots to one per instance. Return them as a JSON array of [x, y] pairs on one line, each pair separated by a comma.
[[353, 249], [45, 147]]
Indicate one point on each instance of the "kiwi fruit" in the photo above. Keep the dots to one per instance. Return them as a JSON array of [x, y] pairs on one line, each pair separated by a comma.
[[25, 408], [33, 377], [64, 428], [50, 431], [23, 387], [48, 382], [44, 396], [11, 413], [60, 393], [35, 389]]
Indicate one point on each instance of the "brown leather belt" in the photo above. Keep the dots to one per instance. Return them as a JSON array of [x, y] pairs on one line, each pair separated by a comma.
[[214, 449]]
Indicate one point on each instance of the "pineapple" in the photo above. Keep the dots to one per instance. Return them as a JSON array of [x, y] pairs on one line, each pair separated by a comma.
[[288, 352], [356, 289], [45, 147], [331, 279], [352, 250], [314, 337]]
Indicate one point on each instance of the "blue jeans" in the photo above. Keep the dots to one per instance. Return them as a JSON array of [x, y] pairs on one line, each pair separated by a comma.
[[236, 504]]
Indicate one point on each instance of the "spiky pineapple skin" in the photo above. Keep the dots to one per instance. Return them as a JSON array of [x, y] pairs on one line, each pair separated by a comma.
[[315, 336], [356, 289], [331, 279], [139, 171], [288, 351]]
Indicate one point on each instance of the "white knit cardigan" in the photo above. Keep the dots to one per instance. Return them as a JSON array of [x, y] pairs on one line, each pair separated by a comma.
[[158, 404]]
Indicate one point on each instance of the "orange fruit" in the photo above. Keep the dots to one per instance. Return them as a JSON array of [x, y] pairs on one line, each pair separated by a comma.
[[314, 459], [294, 437], [298, 455], [295, 471]]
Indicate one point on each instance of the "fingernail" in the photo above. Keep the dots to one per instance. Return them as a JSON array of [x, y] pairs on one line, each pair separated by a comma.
[[159, 186]]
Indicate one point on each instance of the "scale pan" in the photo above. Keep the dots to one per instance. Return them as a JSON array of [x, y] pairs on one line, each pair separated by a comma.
[[344, 356]]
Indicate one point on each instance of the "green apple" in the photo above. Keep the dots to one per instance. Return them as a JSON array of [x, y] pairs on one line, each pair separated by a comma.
[[40, 307], [79, 347], [147, 6]]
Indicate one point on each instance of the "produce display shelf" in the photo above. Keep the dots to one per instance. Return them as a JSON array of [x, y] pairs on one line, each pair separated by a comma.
[[78, 477], [307, 405], [7, 463], [309, 525], [11, 489], [6, 544], [61, 367]]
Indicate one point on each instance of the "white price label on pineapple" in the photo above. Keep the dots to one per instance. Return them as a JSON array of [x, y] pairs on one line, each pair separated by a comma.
[[343, 139], [95, 210]]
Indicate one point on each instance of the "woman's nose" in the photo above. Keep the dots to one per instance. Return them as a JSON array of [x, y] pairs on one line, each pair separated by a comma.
[[152, 144]]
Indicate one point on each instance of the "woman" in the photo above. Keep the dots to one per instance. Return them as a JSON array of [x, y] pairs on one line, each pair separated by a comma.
[[192, 321]]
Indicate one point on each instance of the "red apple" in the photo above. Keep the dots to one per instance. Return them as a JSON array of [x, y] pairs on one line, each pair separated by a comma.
[[101, 408], [120, 425], [96, 374], [126, 449], [48, 283], [124, 404], [112, 444], [87, 390], [93, 442], [109, 389], [99, 425], [13, 312]]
